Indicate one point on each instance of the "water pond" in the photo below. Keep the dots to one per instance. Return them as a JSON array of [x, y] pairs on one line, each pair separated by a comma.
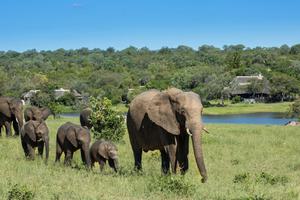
[[253, 118]]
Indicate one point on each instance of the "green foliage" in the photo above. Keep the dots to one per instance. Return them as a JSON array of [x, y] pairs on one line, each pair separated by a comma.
[[20, 192], [294, 110], [110, 73], [68, 99], [107, 123], [236, 99], [177, 185]]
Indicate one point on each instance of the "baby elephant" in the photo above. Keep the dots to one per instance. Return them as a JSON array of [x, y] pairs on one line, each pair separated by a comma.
[[71, 137], [103, 150], [35, 134]]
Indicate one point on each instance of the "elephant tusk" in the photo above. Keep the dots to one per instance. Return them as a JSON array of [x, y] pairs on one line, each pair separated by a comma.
[[188, 132], [205, 130]]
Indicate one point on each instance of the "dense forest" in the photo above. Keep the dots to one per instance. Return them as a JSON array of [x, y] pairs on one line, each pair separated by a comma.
[[118, 75]]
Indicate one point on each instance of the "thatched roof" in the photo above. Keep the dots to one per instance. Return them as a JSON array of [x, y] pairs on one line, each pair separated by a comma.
[[240, 85]]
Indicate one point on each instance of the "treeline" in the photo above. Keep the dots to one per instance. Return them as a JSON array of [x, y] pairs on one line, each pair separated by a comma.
[[118, 75]]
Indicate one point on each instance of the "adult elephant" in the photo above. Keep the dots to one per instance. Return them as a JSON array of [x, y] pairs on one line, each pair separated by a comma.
[[164, 121], [35, 113], [71, 137], [85, 118], [11, 112]]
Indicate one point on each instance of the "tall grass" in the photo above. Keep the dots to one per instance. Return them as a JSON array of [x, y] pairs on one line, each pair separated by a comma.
[[243, 162]]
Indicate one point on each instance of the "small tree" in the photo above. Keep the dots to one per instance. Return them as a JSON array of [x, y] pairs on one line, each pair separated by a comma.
[[107, 123], [294, 110]]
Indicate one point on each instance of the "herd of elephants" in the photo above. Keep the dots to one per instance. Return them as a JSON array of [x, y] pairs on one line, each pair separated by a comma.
[[156, 120]]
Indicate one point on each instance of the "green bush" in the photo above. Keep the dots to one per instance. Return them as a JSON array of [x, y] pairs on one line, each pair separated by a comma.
[[107, 123], [295, 109], [68, 99], [20, 192], [236, 99]]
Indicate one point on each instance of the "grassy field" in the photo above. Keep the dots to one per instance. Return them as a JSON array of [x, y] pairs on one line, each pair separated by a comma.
[[244, 162], [242, 108]]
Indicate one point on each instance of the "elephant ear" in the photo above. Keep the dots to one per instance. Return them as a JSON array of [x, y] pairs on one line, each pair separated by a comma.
[[103, 151], [72, 136], [161, 113], [29, 129]]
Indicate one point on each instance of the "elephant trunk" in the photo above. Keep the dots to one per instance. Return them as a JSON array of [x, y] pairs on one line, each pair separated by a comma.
[[86, 157], [197, 146], [46, 140], [116, 165], [20, 122]]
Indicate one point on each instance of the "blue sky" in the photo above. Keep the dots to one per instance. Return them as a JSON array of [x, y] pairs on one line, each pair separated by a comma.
[[48, 25]]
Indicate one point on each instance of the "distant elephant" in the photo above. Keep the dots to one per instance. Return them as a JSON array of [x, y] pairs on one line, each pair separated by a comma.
[[11, 112], [164, 121], [35, 113], [292, 123], [71, 137], [35, 134], [85, 118], [103, 150]]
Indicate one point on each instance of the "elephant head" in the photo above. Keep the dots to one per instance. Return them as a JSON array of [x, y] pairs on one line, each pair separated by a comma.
[[79, 137], [178, 113], [110, 152], [46, 112], [16, 109]]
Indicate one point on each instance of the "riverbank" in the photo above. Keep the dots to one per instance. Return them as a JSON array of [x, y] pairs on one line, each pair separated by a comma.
[[243, 162]]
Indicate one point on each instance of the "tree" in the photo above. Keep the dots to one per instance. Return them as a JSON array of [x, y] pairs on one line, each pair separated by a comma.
[[107, 123]]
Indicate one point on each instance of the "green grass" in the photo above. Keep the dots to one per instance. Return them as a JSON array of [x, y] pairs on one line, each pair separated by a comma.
[[242, 108], [243, 162]]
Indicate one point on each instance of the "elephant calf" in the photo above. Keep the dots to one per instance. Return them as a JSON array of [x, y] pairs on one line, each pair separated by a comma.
[[71, 137], [35, 134], [101, 151]]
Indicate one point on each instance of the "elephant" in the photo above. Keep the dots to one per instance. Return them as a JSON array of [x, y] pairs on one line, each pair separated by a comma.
[[101, 151], [164, 120], [85, 118], [11, 112], [35, 134], [35, 113], [71, 137]]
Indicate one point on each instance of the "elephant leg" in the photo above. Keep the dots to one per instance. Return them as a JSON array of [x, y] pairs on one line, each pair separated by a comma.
[[172, 156], [137, 153], [101, 164], [7, 128], [58, 152], [41, 148], [68, 157], [30, 151], [165, 161], [16, 127], [24, 145], [182, 152]]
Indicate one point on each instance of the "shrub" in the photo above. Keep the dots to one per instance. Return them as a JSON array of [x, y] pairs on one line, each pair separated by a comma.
[[20, 192], [236, 99], [294, 110], [107, 123], [68, 99]]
